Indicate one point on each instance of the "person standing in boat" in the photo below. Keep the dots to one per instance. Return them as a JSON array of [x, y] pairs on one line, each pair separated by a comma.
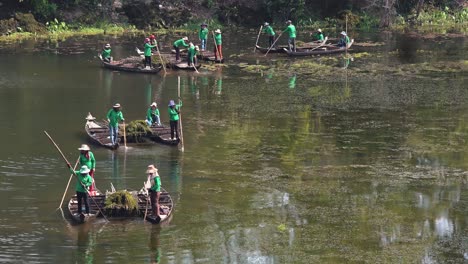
[[82, 187], [344, 40], [180, 43], [154, 188], [114, 116], [318, 36], [291, 29], [106, 53], [152, 115], [87, 158], [174, 118], [268, 30], [218, 50], [203, 35], [148, 53]]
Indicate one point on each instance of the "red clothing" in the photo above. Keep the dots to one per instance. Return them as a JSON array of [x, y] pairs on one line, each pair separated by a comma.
[[218, 51]]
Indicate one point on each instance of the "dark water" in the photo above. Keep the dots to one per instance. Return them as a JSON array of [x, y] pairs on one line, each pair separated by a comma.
[[318, 160]]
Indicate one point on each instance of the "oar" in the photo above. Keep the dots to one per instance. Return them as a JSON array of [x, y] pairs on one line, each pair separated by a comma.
[[68, 184], [180, 117], [68, 163], [259, 32], [160, 58], [125, 136], [272, 45]]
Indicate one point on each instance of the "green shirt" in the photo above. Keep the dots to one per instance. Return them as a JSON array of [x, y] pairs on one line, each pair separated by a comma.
[[218, 39], [191, 52], [90, 163], [151, 112], [148, 48], [269, 31], [346, 39], [319, 36], [86, 180], [156, 183], [180, 42], [106, 53], [174, 112], [291, 29], [203, 33], [114, 117]]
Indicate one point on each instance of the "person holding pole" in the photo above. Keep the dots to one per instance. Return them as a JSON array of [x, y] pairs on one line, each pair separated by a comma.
[[114, 116], [82, 186], [148, 53], [174, 118], [268, 30], [154, 188], [218, 50], [87, 158], [203, 35], [177, 45], [291, 29]]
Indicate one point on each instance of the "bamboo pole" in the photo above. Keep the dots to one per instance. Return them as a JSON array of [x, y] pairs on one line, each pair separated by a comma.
[[68, 163], [68, 184], [216, 47], [259, 32], [125, 136], [180, 117], [160, 58], [272, 45]]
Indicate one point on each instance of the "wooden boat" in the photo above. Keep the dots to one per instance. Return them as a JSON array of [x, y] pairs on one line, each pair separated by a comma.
[[98, 197], [281, 48], [172, 63], [165, 207], [162, 134], [99, 133], [322, 50], [206, 55], [131, 64]]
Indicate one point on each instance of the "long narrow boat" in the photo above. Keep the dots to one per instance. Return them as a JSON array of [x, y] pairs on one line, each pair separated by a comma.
[[172, 63], [205, 55], [281, 49], [162, 134], [98, 197], [130, 65], [98, 132], [323, 50], [165, 207]]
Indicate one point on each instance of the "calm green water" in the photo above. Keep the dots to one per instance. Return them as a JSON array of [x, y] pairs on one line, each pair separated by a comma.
[[318, 160]]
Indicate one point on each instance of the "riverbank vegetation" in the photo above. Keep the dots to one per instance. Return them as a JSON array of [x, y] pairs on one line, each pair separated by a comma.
[[32, 18]]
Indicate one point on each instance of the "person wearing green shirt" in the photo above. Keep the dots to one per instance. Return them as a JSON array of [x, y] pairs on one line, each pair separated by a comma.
[[203, 35], [344, 40], [152, 115], [114, 116], [87, 158], [174, 118], [82, 186], [148, 54], [192, 54], [270, 33], [318, 36], [218, 50], [106, 53], [291, 29], [154, 184], [180, 43]]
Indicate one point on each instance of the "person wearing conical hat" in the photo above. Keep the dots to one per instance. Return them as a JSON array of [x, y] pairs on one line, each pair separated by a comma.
[[291, 29], [268, 30], [114, 116], [344, 39], [87, 158], [174, 118], [218, 50], [84, 181], [203, 35], [154, 189], [180, 43], [152, 115], [106, 53]]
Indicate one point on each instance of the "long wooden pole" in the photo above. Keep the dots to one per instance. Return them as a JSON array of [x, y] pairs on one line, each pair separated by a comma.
[[272, 45], [216, 47], [68, 163], [68, 184], [147, 200], [180, 117], [259, 32], [160, 58], [125, 135]]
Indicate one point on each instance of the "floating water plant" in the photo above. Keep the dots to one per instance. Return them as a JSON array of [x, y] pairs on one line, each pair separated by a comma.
[[121, 203], [136, 130]]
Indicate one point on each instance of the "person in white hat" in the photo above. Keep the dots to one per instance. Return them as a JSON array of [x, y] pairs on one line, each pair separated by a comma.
[[291, 29], [344, 39], [114, 116], [268, 30], [180, 43], [82, 186], [218, 50], [152, 115], [318, 35], [87, 158], [154, 188], [106, 53]]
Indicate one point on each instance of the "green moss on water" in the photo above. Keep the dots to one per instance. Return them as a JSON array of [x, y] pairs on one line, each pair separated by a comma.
[[121, 203], [137, 130]]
